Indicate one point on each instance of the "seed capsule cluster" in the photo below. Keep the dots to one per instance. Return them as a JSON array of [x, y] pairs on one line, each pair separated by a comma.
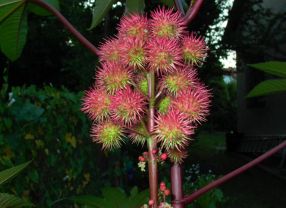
[[118, 101]]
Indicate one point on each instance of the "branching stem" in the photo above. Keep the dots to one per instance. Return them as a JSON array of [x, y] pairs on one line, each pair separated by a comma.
[[67, 25]]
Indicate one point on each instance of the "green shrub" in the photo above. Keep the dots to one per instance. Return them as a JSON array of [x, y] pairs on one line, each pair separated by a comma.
[[46, 126]]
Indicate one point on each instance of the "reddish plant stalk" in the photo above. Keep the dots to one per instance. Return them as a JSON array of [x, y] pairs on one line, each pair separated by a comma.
[[176, 185], [189, 199], [193, 11], [152, 143], [67, 25]]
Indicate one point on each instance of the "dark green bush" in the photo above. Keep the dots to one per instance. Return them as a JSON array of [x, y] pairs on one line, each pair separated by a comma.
[[47, 127]]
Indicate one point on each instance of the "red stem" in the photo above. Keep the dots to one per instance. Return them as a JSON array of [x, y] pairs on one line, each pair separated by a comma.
[[176, 183], [193, 11], [67, 25], [189, 199], [152, 143]]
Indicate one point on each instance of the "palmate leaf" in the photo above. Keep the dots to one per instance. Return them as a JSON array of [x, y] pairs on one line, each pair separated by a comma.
[[13, 24], [11, 201], [277, 68], [268, 87], [41, 11], [13, 27], [135, 6], [100, 9], [7, 174]]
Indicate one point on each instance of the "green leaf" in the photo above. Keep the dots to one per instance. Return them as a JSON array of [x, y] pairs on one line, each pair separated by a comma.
[[100, 9], [41, 11], [268, 87], [135, 6], [7, 174], [13, 27], [169, 3], [11, 201], [277, 68]]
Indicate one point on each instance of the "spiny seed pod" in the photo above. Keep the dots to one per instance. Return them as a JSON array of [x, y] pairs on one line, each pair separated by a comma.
[[127, 106], [167, 24], [133, 26], [109, 134], [164, 105], [96, 103], [194, 103], [179, 80], [163, 54], [113, 77], [137, 137], [194, 49], [109, 51], [142, 83], [177, 156], [133, 53], [173, 129]]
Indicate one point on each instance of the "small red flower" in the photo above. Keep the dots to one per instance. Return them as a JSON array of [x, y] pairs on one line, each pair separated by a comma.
[[154, 151], [163, 186], [179, 80], [114, 77], [167, 192], [164, 156], [173, 129], [141, 158], [109, 51], [96, 103], [194, 103], [194, 49], [133, 26], [108, 134], [167, 23], [163, 54], [127, 106]]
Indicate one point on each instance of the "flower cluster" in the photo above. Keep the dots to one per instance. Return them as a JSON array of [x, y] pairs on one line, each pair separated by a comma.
[[118, 101]]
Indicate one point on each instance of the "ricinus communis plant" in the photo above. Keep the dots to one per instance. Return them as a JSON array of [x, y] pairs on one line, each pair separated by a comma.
[[147, 88]]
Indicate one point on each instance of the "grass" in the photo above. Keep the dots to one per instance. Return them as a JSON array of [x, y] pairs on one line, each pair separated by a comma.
[[253, 189]]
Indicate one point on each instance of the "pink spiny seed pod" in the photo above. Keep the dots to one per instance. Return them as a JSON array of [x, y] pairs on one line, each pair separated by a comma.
[[109, 51], [109, 134], [167, 192], [194, 103], [133, 53], [173, 129], [127, 106], [167, 23], [163, 54], [133, 26], [177, 156], [151, 202], [194, 49], [138, 138], [96, 103], [114, 77], [179, 80]]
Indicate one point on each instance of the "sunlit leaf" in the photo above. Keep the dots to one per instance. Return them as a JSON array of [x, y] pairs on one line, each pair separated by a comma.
[[277, 68], [7, 174], [268, 87], [11, 201], [135, 6], [100, 9]]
